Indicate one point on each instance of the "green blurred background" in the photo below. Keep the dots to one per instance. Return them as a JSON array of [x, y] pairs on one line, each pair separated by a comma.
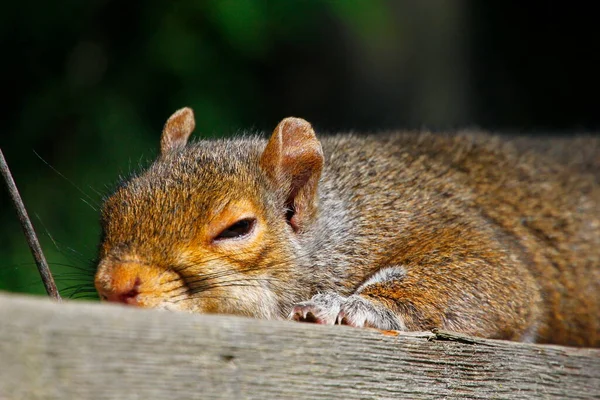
[[89, 84]]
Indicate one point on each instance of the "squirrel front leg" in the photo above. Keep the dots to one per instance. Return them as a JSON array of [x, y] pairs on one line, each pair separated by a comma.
[[359, 309], [415, 299]]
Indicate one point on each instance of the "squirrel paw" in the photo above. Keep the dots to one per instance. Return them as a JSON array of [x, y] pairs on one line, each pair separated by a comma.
[[330, 308], [322, 308], [359, 312]]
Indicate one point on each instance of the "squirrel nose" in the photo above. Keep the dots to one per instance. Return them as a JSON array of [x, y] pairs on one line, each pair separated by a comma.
[[122, 292], [135, 283]]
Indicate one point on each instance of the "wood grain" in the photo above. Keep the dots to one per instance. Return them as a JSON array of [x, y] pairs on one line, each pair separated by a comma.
[[77, 350]]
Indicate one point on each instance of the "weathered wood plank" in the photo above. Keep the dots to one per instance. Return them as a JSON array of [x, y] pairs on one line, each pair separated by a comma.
[[97, 351]]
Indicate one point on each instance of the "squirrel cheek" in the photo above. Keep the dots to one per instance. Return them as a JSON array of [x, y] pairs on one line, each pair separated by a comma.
[[136, 284]]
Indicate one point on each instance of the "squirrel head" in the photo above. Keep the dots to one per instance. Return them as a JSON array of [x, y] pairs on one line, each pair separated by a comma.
[[212, 226]]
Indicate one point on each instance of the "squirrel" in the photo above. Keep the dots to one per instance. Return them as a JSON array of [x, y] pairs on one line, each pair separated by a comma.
[[473, 232]]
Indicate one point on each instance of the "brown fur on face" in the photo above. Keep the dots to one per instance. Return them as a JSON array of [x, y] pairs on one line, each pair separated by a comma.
[[154, 219], [493, 236]]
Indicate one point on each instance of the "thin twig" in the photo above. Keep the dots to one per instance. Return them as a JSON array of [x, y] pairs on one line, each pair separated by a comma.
[[32, 239]]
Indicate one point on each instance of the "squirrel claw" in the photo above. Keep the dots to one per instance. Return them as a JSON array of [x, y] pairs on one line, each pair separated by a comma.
[[342, 320], [306, 313], [322, 308], [299, 313]]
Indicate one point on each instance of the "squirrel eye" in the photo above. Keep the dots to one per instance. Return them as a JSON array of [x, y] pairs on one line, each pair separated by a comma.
[[238, 229]]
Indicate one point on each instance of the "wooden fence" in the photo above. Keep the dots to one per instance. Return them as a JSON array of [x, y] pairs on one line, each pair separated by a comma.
[[77, 350]]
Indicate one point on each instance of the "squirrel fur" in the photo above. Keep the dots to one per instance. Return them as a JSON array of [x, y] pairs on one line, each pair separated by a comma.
[[484, 234]]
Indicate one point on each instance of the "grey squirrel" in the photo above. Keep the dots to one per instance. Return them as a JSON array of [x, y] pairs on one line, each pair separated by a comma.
[[491, 236]]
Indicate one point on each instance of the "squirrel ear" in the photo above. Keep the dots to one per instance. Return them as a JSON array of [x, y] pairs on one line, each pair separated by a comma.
[[177, 130], [293, 160]]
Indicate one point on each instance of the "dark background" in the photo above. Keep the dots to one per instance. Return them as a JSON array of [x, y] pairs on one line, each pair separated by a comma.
[[88, 85]]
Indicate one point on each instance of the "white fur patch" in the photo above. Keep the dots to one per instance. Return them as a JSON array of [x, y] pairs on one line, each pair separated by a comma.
[[360, 312], [383, 275]]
